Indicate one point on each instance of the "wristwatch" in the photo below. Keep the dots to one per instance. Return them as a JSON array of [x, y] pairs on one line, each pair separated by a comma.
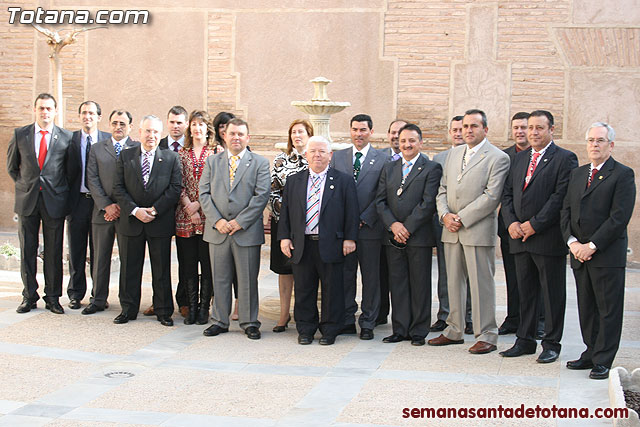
[[592, 246]]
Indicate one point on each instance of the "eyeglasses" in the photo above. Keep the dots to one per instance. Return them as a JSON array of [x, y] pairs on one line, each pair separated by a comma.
[[597, 141]]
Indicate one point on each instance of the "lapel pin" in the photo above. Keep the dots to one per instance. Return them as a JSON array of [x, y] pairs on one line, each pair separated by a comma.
[[420, 168], [247, 164], [55, 136], [600, 177], [546, 160], [331, 186], [160, 159], [331, 178]]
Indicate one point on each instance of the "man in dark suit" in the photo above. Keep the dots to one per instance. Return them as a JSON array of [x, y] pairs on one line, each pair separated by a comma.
[[147, 187], [364, 163], [406, 201], [101, 173], [393, 153], [234, 190], [177, 126], [596, 211], [531, 203], [37, 161], [318, 228], [81, 202]]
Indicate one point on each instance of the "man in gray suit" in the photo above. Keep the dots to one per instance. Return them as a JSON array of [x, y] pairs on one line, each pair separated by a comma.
[[364, 163], [37, 161], [234, 190], [455, 134], [101, 172], [470, 191]]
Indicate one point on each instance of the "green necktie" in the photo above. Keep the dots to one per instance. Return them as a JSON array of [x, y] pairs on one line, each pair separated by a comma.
[[356, 166]]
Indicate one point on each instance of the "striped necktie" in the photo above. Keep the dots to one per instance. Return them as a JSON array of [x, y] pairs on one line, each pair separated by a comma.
[[406, 167], [117, 147], [313, 204], [146, 167]]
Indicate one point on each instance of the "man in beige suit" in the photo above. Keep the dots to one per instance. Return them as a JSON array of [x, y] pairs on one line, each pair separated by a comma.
[[470, 191]]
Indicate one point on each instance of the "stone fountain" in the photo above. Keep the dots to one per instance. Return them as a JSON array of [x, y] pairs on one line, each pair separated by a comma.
[[320, 109]]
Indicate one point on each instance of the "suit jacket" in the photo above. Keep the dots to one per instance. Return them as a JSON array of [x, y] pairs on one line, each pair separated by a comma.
[[23, 168], [101, 174], [600, 213], [244, 201], [542, 200], [502, 229], [441, 157], [366, 186], [75, 162], [162, 192], [473, 194], [338, 214], [415, 207]]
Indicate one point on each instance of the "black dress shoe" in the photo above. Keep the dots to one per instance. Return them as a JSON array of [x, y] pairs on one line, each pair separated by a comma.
[[579, 364], [439, 326], [122, 318], [468, 328], [505, 330], [252, 332], [381, 321], [548, 356], [54, 307], [214, 330], [305, 339], [91, 309], [515, 351], [328, 340], [540, 335], [26, 306], [417, 341], [165, 320], [394, 338], [348, 329], [366, 334], [599, 372], [74, 304]]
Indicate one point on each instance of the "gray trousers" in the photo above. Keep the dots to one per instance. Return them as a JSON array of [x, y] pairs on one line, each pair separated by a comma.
[[246, 259], [103, 237], [367, 255], [477, 264]]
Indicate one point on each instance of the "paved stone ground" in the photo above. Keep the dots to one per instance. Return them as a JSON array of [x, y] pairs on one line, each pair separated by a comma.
[[75, 370]]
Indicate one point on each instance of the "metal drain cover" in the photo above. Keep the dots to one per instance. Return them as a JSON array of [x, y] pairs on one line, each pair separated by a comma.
[[119, 374]]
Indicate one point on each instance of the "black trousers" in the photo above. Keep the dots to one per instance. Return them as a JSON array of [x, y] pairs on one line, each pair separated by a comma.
[[385, 305], [541, 276], [410, 282], [193, 251], [79, 234], [600, 308], [28, 233], [132, 250], [306, 274]]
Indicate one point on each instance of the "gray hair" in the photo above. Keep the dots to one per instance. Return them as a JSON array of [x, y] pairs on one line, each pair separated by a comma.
[[319, 138], [152, 118], [611, 134]]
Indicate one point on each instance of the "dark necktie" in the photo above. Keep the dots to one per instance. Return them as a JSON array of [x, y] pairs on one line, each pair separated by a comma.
[[146, 167], [86, 159], [594, 171], [176, 146], [117, 147], [356, 166]]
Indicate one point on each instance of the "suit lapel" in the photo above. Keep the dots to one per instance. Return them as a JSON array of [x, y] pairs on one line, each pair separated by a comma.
[[223, 165], [55, 134], [603, 173], [347, 160], [31, 146], [328, 189], [415, 171], [368, 163], [477, 158], [243, 165], [135, 165], [544, 161], [301, 192], [157, 167], [396, 174]]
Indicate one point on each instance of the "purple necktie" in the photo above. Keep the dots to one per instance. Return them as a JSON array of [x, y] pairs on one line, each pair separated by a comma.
[[146, 167]]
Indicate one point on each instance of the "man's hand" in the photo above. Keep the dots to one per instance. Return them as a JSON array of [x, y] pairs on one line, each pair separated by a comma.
[[581, 251], [515, 230], [286, 246], [234, 227], [348, 246], [400, 233], [191, 208], [452, 222], [528, 230], [112, 212], [144, 215], [223, 226]]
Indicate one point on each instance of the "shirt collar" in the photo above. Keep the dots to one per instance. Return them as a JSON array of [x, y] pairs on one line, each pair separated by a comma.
[[179, 141], [240, 155], [412, 160], [122, 142], [477, 148], [321, 174], [49, 129], [364, 151], [94, 135], [153, 152], [543, 150]]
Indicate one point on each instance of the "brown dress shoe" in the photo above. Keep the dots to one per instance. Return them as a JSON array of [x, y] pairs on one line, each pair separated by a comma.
[[184, 311], [442, 340], [149, 311], [482, 347]]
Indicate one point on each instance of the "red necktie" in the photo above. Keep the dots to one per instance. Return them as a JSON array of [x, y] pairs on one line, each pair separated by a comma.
[[42, 152], [532, 168], [594, 171]]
